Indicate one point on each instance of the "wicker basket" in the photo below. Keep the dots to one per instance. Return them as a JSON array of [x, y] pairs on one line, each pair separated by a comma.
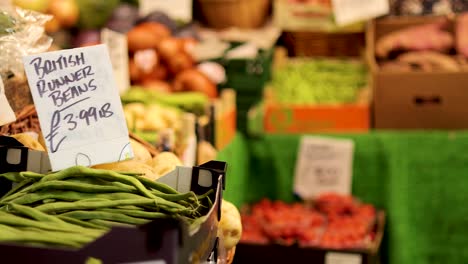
[[324, 44], [26, 121], [234, 13]]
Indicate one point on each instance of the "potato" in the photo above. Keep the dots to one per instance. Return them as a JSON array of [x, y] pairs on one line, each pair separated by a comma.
[[166, 162], [137, 109], [206, 152], [154, 121], [131, 166], [29, 142], [141, 153], [230, 226]]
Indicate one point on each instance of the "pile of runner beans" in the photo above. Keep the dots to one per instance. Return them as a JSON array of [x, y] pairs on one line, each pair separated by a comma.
[[73, 207]]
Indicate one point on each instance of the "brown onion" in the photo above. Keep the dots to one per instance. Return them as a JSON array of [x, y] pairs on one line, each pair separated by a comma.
[[158, 73], [194, 80], [157, 85], [180, 62], [146, 36], [134, 71], [169, 47]]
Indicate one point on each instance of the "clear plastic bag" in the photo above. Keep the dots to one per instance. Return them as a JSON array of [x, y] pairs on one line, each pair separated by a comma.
[[22, 33]]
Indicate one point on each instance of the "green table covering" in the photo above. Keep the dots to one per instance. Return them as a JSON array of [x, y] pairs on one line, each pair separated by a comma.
[[419, 178]]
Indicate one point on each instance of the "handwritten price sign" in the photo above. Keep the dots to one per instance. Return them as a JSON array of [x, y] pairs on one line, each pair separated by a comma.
[[323, 165], [79, 107]]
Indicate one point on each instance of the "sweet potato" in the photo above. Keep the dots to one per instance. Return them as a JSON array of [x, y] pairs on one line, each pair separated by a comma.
[[417, 38], [430, 60], [395, 66], [461, 32]]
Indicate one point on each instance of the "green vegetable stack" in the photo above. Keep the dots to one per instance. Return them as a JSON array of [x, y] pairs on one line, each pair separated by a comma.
[[319, 81], [73, 207]]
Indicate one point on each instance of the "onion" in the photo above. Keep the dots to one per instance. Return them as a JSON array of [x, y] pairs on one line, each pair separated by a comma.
[[157, 85], [189, 44], [194, 80], [169, 47], [134, 72], [179, 62], [158, 73], [160, 17], [214, 71], [157, 29], [146, 36], [146, 59]]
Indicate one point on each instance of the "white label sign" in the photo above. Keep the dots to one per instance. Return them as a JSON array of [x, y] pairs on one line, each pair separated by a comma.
[[176, 9], [323, 165], [79, 107], [351, 11], [117, 44], [342, 258], [6, 113]]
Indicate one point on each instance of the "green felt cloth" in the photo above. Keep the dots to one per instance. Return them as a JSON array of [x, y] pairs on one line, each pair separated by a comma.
[[419, 178]]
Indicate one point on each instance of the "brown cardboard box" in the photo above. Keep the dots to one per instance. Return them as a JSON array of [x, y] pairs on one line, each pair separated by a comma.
[[415, 100]]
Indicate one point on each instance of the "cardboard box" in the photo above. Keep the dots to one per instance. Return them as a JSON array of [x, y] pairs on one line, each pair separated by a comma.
[[415, 100], [160, 241], [280, 118], [225, 119], [275, 253], [14, 156], [303, 15], [316, 119]]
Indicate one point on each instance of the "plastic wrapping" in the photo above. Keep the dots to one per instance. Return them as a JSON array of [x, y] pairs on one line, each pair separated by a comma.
[[21, 33]]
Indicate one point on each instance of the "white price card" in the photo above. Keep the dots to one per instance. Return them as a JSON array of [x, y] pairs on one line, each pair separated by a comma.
[[176, 9], [342, 258], [6, 112], [118, 50], [351, 11], [79, 107], [323, 165]]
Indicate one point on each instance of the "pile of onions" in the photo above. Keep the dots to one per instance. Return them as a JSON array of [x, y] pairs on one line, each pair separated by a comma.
[[161, 62]]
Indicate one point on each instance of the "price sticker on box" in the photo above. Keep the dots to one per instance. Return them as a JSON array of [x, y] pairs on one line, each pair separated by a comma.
[[6, 112], [118, 50], [342, 258], [351, 11], [176, 9], [323, 165], [79, 107]]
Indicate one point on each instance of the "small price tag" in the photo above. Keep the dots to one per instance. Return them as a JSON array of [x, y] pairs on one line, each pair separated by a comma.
[[117, 44], [79, 107], [323, 165], [342, 258], [351, 11], [176, 9], [6, 112]]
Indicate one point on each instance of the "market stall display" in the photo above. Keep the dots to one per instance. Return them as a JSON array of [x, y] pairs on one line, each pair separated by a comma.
[[82, 206], [313, 95], [332, 223], [424, 55], [241, 82]]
